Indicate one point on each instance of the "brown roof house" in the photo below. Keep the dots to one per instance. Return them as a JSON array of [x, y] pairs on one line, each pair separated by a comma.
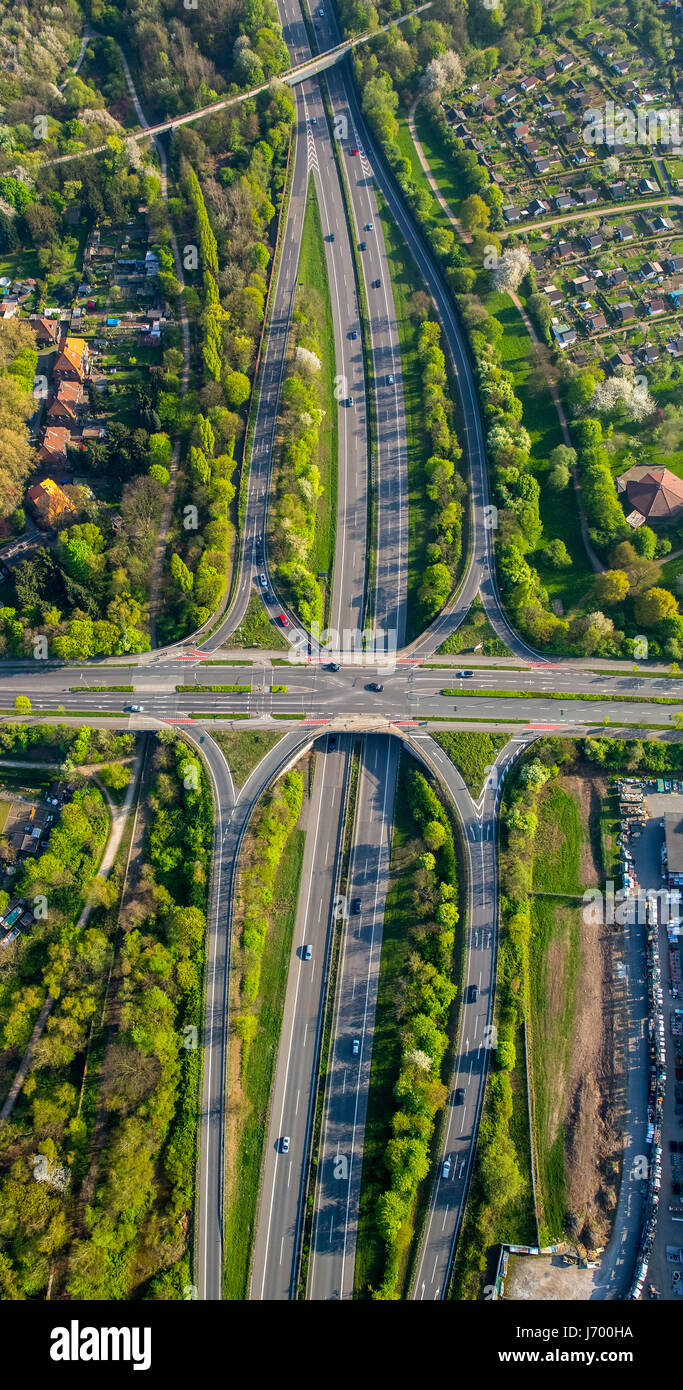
[[46, 330], [50, 503], [63, 408], [54, 445], [655, 493]]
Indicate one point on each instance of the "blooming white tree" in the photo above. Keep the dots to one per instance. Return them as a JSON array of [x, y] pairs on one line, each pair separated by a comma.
[[623, 393], [511, 268], [307, 359], [417, 1058], [443, 73]]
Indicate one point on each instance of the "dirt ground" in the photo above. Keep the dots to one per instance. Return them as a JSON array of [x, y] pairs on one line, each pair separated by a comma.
[[592, 1136], [546, 1277]]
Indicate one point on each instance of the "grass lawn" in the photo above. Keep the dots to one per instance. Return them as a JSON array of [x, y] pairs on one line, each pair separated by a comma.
[[557, 847], [405, 281], [4, 812], [554, 953], [257, 629], [244, 751], [247, 1122], [476, 632], [439, 163], [312, 280], [472, 754]]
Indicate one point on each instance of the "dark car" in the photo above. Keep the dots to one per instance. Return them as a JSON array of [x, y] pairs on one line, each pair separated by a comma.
[[362, 246], [472, 994], [331, 742], [353, 334], [356, 905], [332, 666], [459, 1095], [374, 685], [331, 236], [376, 284]]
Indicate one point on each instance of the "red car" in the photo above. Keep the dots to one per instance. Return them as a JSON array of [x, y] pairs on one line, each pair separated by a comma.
[[282, 619], [354, 149]]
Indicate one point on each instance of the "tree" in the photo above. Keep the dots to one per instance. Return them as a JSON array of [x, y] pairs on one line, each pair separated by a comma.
[[237, 389], [625, 393], [22, 704], [611, 587], [474, 214], [444, 73], [557, 554], [511, 268], [434, 835], [652, 607]]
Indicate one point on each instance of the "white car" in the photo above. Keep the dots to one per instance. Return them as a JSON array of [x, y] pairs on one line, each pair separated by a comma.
[[263, 581], [446, 1169], [355, 1047], [284, 1144], [390, 381], [134, 709]]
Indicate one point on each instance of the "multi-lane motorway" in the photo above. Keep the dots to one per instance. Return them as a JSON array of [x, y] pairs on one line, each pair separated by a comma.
[[337, 712]]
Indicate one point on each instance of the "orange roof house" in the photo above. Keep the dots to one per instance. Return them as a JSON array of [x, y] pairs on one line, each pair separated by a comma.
[[54, 444], [63, 406], [72, 360], [654, 492], [51, 504]]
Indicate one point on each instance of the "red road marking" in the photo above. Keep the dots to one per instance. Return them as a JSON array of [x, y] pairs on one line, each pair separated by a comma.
[[545, 726]]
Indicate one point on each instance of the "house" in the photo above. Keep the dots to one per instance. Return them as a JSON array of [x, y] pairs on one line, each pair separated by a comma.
[[564, 250], [46, 330], [619, 359], [537, 207], [541, 166], [511, 214], [675, 347], [588, 195], [545, 103], [625, 231], [563, 334], [653, 307], [620, 67], [520, 130], [654, 492], [507, 97], [647, 354], [54, 445], [72, 360], [547, 71], [63, 408], [584, 286], [596, 322], [553, 295], [617, 190], [564, 63], [658, 224], [9, 307], [581, 157], [625, 311], [527, 84], [593, 241], [673, 264], [676, 297], [617, 277], [647, 186], [530, 148], [152, 264], [559, 119], [50, 504], [563, 201], [650, 270]]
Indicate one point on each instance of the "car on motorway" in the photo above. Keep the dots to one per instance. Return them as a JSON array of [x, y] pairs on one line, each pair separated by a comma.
[[330, 236], [472, 994], [284, 621], [376, 284], [133, 709], [354, 149], [446, 1168], [459, 1095], [332, 666], [462, 675], [362, 246], [353, 334], [375, 685], [368, 227], [263, 581], [321, 13], [356, 905], [284, 1144], [349, 400], [308, 952], [355, 1047], [314, 120], [331, 742], [390, 380]]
